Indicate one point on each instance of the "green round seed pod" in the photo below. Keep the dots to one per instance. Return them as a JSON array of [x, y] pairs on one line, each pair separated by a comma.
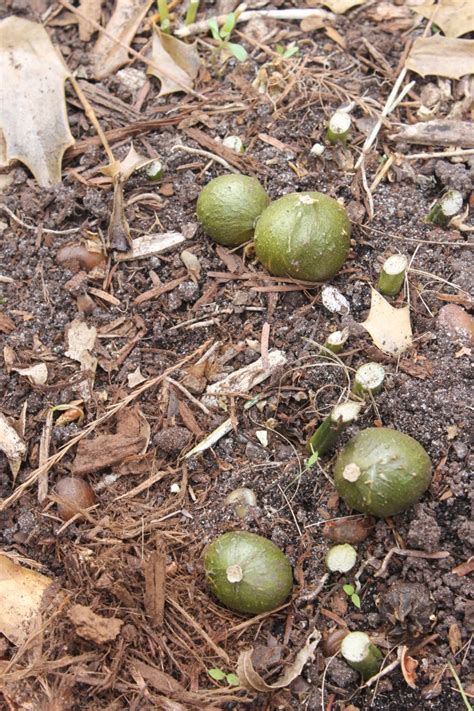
[[304, 236], [382, 472], [247, 573], [228, 207]]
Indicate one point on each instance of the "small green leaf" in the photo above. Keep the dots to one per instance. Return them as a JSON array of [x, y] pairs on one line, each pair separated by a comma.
[[228, 25], [237, 50], [216, 674], [356, 600], [348, 589], [291, 50], [213, 26], [232, 679], [311, 461]]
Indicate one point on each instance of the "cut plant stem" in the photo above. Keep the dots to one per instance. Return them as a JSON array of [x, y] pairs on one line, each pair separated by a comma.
[[368, 379], [445, 209], [341, 558], [328, 431], [392, 275], [191, 12], [361, 654], [338, 127], [336, 341], [154, 170], [164, 15]]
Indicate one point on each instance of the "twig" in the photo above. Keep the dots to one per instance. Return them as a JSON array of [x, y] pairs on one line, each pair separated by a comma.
[[189, 396], [460, 687], [206, 154], [90, 113], [409, 554], [16, 219], [438, 154], [290, 14], [55, 458]]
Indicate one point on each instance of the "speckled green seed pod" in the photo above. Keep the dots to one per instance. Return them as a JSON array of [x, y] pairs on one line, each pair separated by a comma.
[[247, 573], [228, 207], [304, 236], [382, 472]]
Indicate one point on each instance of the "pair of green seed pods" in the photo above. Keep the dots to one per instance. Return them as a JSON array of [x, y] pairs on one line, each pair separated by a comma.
[[301, 235]]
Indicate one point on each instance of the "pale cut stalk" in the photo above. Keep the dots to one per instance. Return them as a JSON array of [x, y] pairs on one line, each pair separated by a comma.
[[234, 143], [191, 12], [338, 127], [336, 341], [341, 558], [361, 654], [392, 275], [446, 208], [328, 431], [154, 170], [368, 379]]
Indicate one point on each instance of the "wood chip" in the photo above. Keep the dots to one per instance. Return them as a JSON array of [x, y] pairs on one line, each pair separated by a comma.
[[92, 627], [158, 290], [150, 245], [155, 576], [439, 132]]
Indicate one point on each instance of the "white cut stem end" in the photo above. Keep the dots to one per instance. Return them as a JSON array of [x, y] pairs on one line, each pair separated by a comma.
[[355, 647], [351, 472], [341, 558], [347, 412], [369, 378], [234, 573]]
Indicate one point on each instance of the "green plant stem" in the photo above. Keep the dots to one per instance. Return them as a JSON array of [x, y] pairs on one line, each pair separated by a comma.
[[325, 437], [368, 379], [446, 208], [191, 12], [335, 341], [361, 654], [164, 15], [338, 127], [392, 275]]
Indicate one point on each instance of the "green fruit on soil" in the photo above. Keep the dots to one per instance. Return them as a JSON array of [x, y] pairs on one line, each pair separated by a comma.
[[304, 236], [247, 573], [228, 207], [382, 472]]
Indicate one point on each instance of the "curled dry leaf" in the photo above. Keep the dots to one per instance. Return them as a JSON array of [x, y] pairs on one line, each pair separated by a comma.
[[252, 680], [32, 86], [389, 328], [80, 342], [192, 264], [455, 17], [110, 55], [36, 374], [441, 56], [94, 627], [21, 593], [180, 63], [408, 666], [11, 444], [124, 168]]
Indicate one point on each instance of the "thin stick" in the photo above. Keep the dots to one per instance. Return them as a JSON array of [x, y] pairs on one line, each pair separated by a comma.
[[189, 396], [90, 113], [206, 154], [407, 553], [35, 227], [55, 458], [289, 14], [218, 650], [438, 154]]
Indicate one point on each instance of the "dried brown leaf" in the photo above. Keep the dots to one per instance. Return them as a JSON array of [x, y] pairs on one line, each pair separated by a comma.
[[441, 56], [454, 638], [465, 568], [80, 342], [389, 328], [123, 25], [192, 264], [11, 444], [91, 9], [455, 17], [32, 87], [180, 62], [6, 324], [118, 233], [92, 627], [21, 593], [155, 578], [341, 6], [408, 666], [36, 374], [252, 680]]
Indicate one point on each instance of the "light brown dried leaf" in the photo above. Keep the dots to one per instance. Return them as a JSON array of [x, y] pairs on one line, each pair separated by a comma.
[[341, 6], [180, 62], [441, 56], [123, 25], [252, 680], [91, 9], [11, 444], [408, 666], [389, 328], [454, 638], [36, 374], [21, 592], [80, 343], [465, 568], [32, 87], [455, 17], [94, 627], [6, 324], [192, 264]]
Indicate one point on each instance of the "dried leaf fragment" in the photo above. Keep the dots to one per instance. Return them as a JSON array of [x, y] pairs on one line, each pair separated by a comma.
[[454, 638], [36, 374], [21, 593], [341, 6], [253, 681], [91, 9], [32, 87], [11, 444], [389, 328], [110, 55], [192, 264], [455, 17], [80, 341], [441, 56], [408, 666], [94, 627], [179, 60]]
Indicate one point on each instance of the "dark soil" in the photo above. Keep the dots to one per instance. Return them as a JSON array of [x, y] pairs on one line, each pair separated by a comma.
[[102, 560]]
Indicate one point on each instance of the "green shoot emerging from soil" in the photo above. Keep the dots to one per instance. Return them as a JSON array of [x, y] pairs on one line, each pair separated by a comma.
[[222, 35], [287, 52], [350, 592], [164, 15]]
